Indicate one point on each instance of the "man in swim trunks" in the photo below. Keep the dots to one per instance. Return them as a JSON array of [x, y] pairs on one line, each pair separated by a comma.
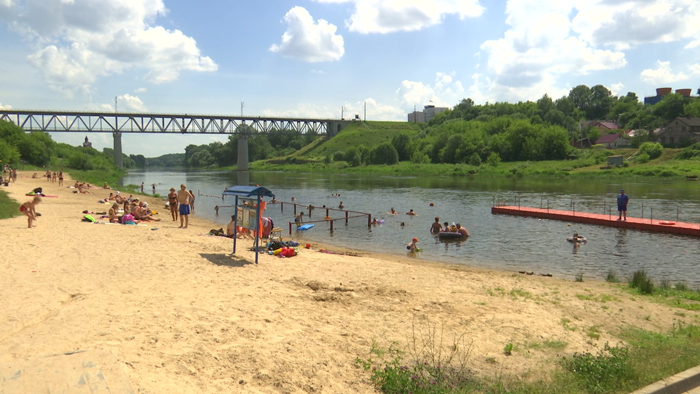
[[172, 202], [436, 226], [622, 201], [299, 219], [183, 197]]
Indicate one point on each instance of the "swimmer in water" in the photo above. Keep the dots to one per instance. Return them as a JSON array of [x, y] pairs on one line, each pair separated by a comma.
[[393, 211], [411, 213]]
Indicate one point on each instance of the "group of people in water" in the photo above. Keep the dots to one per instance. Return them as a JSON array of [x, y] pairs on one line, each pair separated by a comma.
[[436, 228]]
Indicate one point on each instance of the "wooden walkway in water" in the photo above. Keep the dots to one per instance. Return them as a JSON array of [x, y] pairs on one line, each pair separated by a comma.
[[662, 226]]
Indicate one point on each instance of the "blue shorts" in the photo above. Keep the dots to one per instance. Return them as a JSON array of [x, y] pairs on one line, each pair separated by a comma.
[[622, 208], [184, 209]]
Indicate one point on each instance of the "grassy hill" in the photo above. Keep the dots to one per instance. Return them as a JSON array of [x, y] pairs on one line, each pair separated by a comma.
[[369, 134]]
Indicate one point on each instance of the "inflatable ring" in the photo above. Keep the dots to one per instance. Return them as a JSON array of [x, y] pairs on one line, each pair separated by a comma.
[[666, 223]]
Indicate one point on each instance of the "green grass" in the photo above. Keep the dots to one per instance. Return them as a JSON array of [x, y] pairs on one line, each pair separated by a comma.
[[9, 208], [369, 134], [645, 358]]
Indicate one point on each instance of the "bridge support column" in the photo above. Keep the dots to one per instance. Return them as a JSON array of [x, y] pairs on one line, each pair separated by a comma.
[[118, 150], [242, 164]]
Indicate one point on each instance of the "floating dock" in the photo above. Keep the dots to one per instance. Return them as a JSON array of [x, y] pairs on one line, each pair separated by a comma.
[[662, 226]]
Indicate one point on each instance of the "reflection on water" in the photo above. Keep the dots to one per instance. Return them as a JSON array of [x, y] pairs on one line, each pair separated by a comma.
[[497, 241]]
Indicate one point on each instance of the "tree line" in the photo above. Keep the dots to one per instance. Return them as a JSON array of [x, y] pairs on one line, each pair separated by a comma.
[[39, 149]]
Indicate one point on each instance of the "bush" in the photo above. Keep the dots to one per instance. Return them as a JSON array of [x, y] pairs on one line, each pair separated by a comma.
[[494, 159], [384, 154], [475, 160], [643, 158], [653, 149], [339, 156], [640, 280], [601, 373]]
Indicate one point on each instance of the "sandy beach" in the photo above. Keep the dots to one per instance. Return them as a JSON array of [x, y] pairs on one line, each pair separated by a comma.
[[182, 315]]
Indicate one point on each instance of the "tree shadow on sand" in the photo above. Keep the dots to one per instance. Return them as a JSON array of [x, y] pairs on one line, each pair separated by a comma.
[[225, 260]]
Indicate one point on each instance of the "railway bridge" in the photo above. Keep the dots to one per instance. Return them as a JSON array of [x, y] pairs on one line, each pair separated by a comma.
[[128, 122]]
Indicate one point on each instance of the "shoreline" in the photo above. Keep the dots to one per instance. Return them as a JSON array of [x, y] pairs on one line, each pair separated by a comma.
[[180, 314]]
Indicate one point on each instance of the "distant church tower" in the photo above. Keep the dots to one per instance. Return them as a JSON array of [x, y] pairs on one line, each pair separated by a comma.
[[87, 144]]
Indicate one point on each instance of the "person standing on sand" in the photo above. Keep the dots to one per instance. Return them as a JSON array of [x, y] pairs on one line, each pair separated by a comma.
[[141, 187], [183, 197], [172, 202], [28, 208], [153, 185], [622, 201], [60, 178]]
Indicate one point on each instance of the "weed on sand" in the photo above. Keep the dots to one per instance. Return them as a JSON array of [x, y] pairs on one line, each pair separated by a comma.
[[9, 208]]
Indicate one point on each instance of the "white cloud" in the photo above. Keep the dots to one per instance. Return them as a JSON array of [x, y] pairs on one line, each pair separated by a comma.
[[695, 69], [140, 90], [616, 88], [387, 16], [624, 24], [662, 74], [538, 47], [5, 106], [444, 93], [78, 41], [132, 103], [308, 40]]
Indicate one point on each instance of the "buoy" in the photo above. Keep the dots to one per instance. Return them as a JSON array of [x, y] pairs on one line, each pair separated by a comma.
[[666, 223]]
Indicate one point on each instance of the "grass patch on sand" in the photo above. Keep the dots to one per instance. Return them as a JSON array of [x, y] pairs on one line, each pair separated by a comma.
[[9, 208], [677, 295], [437, 363]]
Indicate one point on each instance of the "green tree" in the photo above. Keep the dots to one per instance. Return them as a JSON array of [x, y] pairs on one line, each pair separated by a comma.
[[401, 143], [384, 154], [580, 98], [353, 157], [8, 153], [670, 107], [493, 160], [600, 101], [475, 159], [692, 108]]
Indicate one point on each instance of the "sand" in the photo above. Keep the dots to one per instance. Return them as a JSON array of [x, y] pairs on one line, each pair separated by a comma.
[[182, 315]]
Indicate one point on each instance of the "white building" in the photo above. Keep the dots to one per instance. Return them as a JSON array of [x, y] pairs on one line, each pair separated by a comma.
[[428, 112]]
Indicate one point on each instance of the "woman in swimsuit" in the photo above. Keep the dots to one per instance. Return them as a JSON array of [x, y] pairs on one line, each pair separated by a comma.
[[172, 203]]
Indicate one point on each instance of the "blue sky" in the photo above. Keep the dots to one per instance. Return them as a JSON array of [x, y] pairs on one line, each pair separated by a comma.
[[312, 58]]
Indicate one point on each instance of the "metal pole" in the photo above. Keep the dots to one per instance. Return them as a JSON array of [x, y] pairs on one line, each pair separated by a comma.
[[290, 228], [295, 209], [651, 216], [235, 226], [677, 210], [331, 226], [547, 206], [642, 210], [369, 220], [282, 206], [604, 207], [540, 202], [257, 226], [346, 218]]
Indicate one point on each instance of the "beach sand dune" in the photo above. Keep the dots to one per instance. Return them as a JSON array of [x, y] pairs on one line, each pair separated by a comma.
[[181, 315]]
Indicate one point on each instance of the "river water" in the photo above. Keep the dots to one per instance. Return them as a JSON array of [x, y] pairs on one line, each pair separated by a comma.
[[497, 241]]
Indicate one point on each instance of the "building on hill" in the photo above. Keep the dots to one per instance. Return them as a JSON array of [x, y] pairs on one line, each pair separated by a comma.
[[680, 131], [611, 141], [424, 116], [661, 92], [87, 144], [605, 126]]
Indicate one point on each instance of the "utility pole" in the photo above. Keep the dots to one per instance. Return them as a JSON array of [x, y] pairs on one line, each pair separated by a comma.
[[242, 105], [115, 105], [342, 112]]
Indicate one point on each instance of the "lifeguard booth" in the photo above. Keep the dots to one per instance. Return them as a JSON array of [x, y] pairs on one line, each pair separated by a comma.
[[248, 216]]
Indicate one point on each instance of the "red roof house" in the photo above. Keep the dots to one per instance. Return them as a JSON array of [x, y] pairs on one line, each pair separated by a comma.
[[611, 141]]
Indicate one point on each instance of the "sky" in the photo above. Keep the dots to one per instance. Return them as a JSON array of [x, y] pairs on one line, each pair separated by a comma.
[[321, 58]]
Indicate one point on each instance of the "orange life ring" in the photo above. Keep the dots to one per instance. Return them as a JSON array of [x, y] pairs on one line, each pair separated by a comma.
[[666, 223]]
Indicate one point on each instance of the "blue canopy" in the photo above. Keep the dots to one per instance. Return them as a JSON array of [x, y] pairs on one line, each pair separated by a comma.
[[248, 191]]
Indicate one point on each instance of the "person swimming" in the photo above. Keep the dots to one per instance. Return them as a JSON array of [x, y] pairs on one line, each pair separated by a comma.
[[393, 211], [411, 213]]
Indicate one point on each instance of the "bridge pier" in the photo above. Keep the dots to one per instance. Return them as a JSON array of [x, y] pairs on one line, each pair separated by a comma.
[[242, 164], [118, 160]]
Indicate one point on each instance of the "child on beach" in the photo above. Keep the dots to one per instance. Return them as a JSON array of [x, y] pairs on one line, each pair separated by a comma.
[[29, 209], [412, 247]]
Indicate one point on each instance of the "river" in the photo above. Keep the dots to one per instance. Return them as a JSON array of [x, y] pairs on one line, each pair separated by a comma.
[[497, 241]]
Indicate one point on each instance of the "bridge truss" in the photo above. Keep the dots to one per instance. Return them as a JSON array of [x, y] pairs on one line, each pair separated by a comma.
[[110, 122]]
